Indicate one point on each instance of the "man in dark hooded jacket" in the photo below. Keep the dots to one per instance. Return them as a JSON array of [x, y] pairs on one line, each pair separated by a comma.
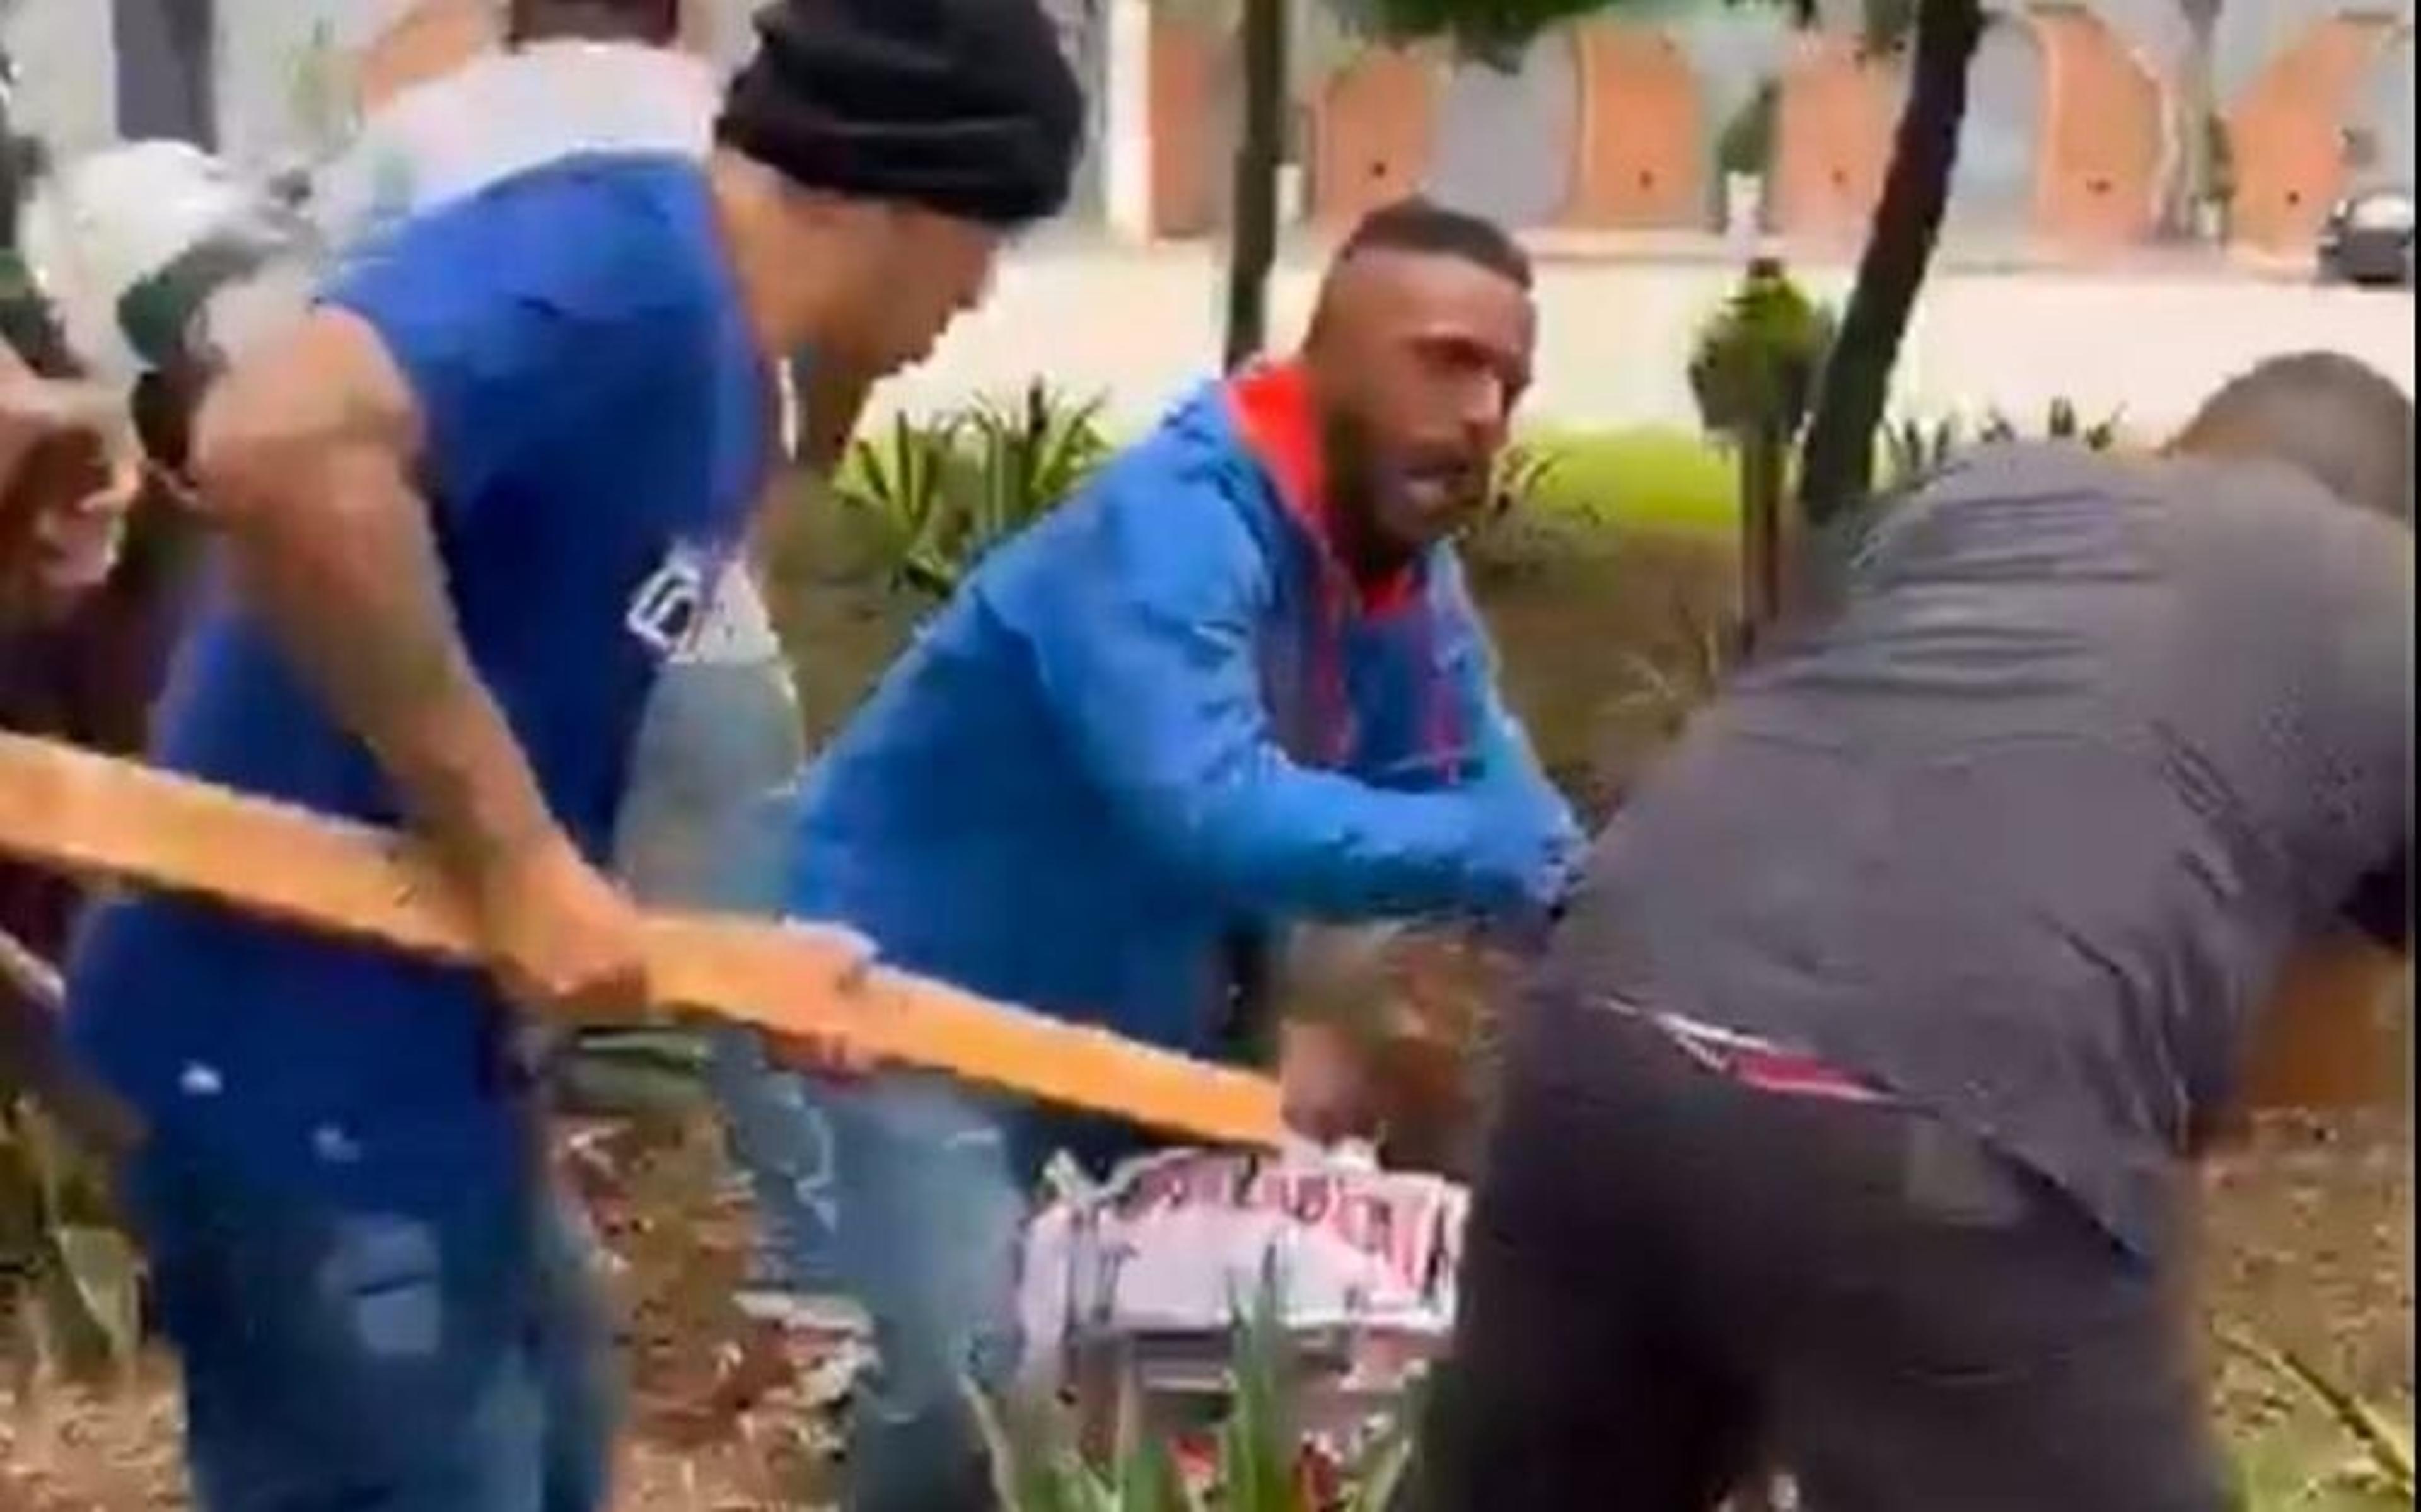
[[1841, 1127]]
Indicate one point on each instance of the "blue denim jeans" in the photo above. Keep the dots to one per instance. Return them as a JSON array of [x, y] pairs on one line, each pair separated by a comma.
[[343, 1360], [907, 1193]]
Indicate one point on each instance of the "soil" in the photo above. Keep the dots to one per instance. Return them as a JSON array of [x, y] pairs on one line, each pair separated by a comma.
[[2309, 1243]]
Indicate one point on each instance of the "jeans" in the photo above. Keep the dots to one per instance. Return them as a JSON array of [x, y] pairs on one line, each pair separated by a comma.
[[359, 1361], [907, 1194]]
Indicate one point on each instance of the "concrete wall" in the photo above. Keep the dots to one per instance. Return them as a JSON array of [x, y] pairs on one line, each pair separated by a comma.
[[67, 82], [1614, 335], [1504, 135], [2072, 139], [2069, 142]]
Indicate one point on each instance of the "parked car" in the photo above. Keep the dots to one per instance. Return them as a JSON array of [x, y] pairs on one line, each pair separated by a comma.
[[2368, 240]]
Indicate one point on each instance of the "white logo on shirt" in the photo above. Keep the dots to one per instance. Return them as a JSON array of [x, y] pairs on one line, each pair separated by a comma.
[[666, 612]]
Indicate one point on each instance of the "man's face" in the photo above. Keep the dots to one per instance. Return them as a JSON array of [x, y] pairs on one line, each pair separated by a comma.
[[67, 479], [1418, 361], [923, 269]]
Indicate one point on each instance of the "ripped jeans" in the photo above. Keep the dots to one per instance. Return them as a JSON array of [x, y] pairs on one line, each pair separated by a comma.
[[451, 1361], [906, 1193]]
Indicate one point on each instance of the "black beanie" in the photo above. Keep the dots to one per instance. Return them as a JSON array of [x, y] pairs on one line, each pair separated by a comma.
[[967, 107]]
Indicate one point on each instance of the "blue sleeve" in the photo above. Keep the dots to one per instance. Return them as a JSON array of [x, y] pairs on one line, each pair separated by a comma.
[[1506, 760], [1144, 640], [514, 313]]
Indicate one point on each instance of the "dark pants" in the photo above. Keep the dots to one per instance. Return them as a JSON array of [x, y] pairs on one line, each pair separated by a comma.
[[1672, 1277]]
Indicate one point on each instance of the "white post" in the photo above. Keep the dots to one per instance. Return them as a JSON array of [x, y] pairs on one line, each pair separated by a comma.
[[1126, 120]]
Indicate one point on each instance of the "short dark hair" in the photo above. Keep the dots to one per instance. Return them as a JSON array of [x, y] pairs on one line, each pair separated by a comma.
[[2322, 414], [1424, 225], [654, 22]]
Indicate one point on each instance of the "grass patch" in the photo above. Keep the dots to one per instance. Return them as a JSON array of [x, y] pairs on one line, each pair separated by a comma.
[[1645, 479]]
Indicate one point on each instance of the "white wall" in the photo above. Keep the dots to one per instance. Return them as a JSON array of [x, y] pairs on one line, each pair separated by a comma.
[[1143, 327], [66, 80]]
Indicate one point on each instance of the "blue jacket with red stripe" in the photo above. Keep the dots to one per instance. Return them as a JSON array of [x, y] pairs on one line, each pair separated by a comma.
[[1162, 714]]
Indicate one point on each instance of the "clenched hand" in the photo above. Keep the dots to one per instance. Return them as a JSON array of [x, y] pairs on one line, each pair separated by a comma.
[[560, 939]]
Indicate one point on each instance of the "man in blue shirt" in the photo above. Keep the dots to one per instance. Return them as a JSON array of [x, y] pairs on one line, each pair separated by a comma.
[[1235, 683], [469, 504]]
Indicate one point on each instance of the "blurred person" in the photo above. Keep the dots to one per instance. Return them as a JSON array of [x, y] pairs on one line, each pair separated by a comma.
[[69, 473], [469, 506], [1236, 681], [67, 478], [567, 76], [1842, 1125]]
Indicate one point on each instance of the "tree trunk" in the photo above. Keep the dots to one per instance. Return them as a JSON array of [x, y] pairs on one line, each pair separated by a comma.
[[1837, 466], [1260, 147], [165, 76], [2190, 186], [1764, 463]]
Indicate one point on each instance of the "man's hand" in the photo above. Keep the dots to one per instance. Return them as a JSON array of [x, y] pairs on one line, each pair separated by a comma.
[[828, 1057], [561, 939], [1324, 1084], [67, 476], [831, 1057]]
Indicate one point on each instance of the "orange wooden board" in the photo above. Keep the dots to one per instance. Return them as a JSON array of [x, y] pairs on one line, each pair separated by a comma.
[[75, 811]]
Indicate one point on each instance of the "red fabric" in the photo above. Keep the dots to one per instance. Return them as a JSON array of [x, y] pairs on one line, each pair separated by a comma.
[[1764, 1065], [1273, 409]]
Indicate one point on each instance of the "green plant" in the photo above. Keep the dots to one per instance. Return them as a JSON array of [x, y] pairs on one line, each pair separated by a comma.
[[640, 1072], [1914, 450], [897, 486], [1754, 367], [2222, 160], [319, 93], [1753, 372], [2060, 423], [69, 1278], [936, 496], [1030, 455], [1669, 684], [2365, 1461], [1512, 532], [1259, 1461], [1746, 146]]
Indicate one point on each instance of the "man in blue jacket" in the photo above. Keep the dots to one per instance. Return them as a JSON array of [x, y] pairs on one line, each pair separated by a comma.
[[472, 502], [1237, 681]]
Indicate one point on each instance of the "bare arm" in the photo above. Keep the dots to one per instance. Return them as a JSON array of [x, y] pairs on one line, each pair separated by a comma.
[[305, 456]]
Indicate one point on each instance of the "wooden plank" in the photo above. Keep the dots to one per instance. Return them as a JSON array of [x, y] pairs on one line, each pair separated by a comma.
[[77, 811]]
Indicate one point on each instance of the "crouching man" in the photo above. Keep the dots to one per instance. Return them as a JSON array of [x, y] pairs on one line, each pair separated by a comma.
[[1842, 1124]]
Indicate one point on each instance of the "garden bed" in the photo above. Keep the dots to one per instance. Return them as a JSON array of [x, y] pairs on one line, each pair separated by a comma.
[[1604, 599]]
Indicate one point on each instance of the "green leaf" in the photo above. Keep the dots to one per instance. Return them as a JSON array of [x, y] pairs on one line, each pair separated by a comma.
[[2386, 1462], [1150, 1481], [1257, 1443], [1753, 368], [105, 1272], [1379, 1471]]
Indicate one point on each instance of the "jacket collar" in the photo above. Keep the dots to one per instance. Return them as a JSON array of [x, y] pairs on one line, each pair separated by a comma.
[[1271, 405]]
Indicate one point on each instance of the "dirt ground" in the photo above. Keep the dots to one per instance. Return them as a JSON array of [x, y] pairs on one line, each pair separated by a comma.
[[2308, 1241]]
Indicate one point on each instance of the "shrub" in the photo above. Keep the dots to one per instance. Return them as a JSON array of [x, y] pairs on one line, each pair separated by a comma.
[[2364, 1458], [937, 495], [1746, 146], [1754, 368], [69, 1278], [1914, 450], [1259, 1461]]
